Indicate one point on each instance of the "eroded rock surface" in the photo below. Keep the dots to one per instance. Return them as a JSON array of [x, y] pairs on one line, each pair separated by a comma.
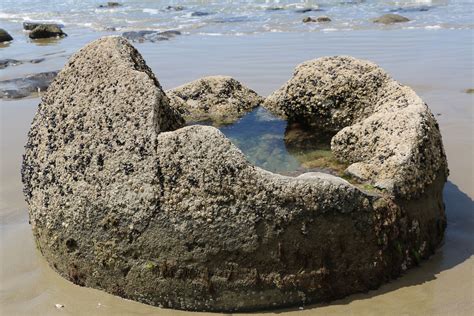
[[218, 98], [384, 129], [122, 200]]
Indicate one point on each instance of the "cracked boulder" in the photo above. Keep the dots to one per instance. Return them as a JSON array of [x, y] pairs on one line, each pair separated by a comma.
[[221, 99], [124, 199]]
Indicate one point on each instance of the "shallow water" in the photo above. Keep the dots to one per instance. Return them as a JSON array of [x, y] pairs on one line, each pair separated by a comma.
[[438, 64], [239, 17]]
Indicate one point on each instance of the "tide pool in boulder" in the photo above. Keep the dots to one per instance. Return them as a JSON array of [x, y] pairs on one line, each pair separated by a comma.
[[269, 142]]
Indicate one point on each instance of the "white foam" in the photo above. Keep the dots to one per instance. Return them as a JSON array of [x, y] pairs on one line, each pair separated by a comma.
[[151, 11], [432, 27], [329, 29]]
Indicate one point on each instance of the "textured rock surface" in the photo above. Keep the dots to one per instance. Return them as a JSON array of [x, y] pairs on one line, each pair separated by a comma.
[[4, 36], [384, 129], [46, 31], [120, 200], [218, 98], [390, 19]]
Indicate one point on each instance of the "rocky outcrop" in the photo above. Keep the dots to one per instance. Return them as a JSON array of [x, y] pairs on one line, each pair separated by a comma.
[[122, 200], [4, 36], [221, 99], [150, 36], [29, 86], [4, 63], [384, 129], [391, 19], [46, 31]]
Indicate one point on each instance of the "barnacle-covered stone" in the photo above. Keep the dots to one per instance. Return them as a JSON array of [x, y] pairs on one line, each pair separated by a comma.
[[124, 199]]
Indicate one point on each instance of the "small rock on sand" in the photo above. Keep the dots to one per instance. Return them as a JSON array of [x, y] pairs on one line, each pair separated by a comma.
[[46, 31], [319, 19], [390, 19], [4, 36], [110, 5]]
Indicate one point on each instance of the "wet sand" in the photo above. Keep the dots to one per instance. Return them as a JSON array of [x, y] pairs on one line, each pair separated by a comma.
[[438, 64]]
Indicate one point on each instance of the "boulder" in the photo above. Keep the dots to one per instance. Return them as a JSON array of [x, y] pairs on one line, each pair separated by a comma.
[[391, 19], [362, 104], [122, 199], [46, 31], [221, 99], [4, 36], [470, 90]]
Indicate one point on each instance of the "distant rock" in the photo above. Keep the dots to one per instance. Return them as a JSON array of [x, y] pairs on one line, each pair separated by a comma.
[[221, 99], [29, 26], [28, 86], [423, 8], [4, 63], [306, 10], [390, 19], [150, 36], [319, 19], [470, 90], [110, 5], [175, 8], [4, 36], [46, 31], [275, 9], [200, 13]]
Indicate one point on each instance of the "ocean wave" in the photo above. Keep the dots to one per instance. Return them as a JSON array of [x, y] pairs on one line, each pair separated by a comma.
[[151, 11]]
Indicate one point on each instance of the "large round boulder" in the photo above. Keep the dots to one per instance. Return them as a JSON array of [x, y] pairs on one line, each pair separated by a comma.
[[123, 199], [221, 99]]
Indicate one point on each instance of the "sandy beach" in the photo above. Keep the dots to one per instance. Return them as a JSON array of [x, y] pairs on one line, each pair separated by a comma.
[[437, 63]]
